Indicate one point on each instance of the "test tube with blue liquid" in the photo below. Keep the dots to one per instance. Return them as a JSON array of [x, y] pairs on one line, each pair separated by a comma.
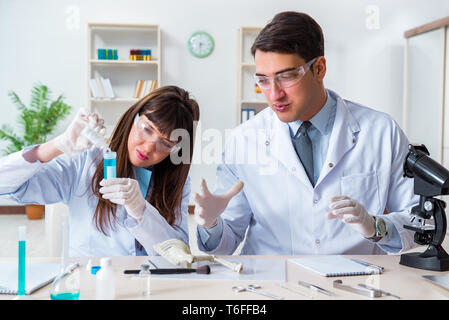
[[110, 164], [22, 255], [109, 156]]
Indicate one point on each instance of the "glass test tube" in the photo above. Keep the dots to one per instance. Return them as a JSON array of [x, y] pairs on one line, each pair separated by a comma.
[[110, 164], [22, 254]]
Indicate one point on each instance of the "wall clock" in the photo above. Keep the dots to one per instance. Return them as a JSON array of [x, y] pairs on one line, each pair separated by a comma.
[[200, 44]]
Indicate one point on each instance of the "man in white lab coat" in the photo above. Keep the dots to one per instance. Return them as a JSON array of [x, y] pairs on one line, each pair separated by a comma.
[[319, 172]]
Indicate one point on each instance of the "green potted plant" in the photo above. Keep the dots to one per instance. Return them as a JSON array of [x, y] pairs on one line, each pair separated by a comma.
[[37, 122]]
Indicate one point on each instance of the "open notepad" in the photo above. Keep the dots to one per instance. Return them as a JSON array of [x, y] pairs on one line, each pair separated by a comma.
[[335, 266], [37, 275]]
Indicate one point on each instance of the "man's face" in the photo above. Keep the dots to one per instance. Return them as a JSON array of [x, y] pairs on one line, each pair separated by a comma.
[[301, 101]]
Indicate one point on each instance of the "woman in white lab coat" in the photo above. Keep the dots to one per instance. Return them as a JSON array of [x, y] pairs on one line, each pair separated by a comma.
[[147, 202]]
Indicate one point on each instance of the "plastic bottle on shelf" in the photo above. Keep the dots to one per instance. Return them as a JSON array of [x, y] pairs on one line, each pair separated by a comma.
[[105, 281]]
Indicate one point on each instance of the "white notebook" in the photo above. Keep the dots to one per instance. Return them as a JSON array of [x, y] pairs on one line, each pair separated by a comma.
[[335, 266], [37, 275]]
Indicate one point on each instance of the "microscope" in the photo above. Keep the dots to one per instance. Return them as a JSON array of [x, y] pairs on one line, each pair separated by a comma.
[[430, 179]]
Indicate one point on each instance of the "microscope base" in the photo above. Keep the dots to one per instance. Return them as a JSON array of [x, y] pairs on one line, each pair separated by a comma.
[[434, 258]]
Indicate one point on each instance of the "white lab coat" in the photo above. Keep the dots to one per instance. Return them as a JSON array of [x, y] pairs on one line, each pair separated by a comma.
[[68, 180], [286, 214]]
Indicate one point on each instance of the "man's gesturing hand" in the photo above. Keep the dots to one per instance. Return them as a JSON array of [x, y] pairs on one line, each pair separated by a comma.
[[209, 206]]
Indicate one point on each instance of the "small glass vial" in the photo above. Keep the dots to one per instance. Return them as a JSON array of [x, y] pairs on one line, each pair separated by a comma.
[[145, 275], [110, 164]]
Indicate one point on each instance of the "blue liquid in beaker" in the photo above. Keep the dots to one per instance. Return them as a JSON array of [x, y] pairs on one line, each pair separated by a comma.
[[110, 164], [65, 296]]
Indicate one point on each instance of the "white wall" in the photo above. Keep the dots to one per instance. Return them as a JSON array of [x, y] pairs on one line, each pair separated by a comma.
[[365, 59]]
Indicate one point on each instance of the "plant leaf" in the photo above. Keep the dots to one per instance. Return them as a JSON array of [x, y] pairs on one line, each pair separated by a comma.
[[15, 142], [37, 121], [16, 100]]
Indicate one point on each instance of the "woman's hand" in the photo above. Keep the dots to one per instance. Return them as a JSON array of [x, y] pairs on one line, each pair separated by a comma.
[[124, 191], [72, 142]]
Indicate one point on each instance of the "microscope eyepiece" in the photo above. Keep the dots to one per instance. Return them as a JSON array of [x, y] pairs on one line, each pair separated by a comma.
[[431, 178]]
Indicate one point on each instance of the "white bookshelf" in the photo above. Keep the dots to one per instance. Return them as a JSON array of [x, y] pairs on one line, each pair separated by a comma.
[[123, 73], [246, 95]]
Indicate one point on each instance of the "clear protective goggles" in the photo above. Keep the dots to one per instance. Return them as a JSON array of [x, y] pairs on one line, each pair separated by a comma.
[[149, 134], [284, 79]]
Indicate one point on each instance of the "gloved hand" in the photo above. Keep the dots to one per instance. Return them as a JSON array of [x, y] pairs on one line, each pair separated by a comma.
[[209, 206], [124, 191], [72, 142], [352, 213]]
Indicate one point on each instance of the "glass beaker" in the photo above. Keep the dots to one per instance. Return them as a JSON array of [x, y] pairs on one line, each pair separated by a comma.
[[66, 285]]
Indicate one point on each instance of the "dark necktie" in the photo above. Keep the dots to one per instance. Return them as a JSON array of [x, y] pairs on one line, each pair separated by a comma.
[[303, 147]]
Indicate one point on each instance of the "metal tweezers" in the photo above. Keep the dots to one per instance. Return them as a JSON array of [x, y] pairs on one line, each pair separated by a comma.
[[385, 293], [372, 293], [315, 288]]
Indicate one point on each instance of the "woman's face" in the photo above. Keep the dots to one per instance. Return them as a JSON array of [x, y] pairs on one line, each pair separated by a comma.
[[146, 145]]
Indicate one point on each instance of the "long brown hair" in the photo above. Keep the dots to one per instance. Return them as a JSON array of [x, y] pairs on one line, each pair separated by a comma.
[[169, 108]]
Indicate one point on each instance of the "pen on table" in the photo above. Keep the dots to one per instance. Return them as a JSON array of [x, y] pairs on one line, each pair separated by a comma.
[[297, 292], [315, 288], [380, 268], [199, 270], [152, 263]]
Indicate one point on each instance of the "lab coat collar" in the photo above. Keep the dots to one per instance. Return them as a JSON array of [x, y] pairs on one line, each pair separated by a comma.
[[343, 138], [320, 120]]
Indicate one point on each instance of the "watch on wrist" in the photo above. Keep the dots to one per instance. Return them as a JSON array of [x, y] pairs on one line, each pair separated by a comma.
[[381, 229]]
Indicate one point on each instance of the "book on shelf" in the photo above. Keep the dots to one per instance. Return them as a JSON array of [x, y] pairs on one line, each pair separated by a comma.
[[101, 88], [94, 90], [248, 113], [144, 87], [153, 85], [138, 88], [108, 88], [107, 54], [140, 54]]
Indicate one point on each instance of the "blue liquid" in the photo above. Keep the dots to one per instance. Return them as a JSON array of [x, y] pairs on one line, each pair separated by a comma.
[[65, 296], [110, 168], [21, 287]]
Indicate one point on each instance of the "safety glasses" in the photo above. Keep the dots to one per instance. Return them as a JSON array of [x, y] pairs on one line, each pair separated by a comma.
[[284, 79], [148, 133]]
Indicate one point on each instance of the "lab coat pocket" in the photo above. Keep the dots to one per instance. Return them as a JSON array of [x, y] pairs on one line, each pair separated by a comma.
[[363, 188]]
